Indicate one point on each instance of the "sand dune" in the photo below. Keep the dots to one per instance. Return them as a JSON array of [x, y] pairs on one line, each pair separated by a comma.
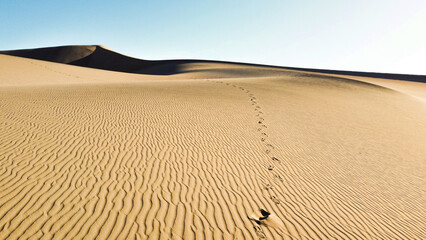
[[196, 152], [100, 57]]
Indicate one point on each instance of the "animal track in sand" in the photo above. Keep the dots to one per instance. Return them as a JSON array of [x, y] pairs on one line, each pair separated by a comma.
[[275, 200], [259, 232], [269, 147]]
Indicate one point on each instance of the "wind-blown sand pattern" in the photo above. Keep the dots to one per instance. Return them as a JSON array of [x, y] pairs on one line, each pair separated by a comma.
[[95, 154]]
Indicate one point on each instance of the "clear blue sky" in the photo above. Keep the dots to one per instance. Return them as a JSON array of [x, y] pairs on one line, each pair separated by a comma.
[[366, 35]]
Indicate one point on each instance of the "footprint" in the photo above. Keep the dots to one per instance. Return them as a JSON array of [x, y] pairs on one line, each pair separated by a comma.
[[270, 168], [259, 232], [262, 139], [267, 151], [268, 186], [275, 200], [275, 159], [279, 177]]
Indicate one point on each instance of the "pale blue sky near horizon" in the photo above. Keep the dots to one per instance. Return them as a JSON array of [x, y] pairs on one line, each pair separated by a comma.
[[363, 35]]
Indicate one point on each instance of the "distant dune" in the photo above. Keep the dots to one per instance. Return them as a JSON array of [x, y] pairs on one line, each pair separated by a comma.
[[96, 56], [191, 149], [64, 54]]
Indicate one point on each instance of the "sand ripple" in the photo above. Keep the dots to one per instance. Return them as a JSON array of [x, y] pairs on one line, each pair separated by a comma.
[[193, 159]]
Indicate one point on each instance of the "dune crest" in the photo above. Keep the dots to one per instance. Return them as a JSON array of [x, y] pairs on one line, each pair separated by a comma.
[[63, 54]]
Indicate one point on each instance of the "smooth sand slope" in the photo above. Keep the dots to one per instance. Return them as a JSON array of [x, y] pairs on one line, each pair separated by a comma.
[[197, 152]]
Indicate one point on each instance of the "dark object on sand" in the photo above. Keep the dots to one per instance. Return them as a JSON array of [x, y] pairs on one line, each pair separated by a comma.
[[265, 214], [258, 219]]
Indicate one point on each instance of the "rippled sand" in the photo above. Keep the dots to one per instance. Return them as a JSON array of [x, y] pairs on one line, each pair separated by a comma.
[[88, 153]]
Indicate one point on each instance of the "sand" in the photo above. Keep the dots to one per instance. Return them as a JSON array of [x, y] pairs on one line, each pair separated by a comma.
[[95, 154]]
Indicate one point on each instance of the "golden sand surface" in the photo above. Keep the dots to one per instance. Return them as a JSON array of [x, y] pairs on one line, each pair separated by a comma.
[[96, 154]]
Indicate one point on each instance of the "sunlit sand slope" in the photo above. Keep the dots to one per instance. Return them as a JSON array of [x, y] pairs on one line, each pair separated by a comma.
[[92, 154]]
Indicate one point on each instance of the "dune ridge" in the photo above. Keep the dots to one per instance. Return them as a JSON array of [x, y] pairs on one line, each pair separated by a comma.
[[100, 57], [87, 153], [63, 54]]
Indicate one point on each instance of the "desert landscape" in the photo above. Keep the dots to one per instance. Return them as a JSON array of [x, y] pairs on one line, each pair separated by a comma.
[[98, 145]]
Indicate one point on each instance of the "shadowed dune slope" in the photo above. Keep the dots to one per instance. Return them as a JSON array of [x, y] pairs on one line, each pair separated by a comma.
[[96, 56], [93, 154], [99, 57], [64, 54]]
